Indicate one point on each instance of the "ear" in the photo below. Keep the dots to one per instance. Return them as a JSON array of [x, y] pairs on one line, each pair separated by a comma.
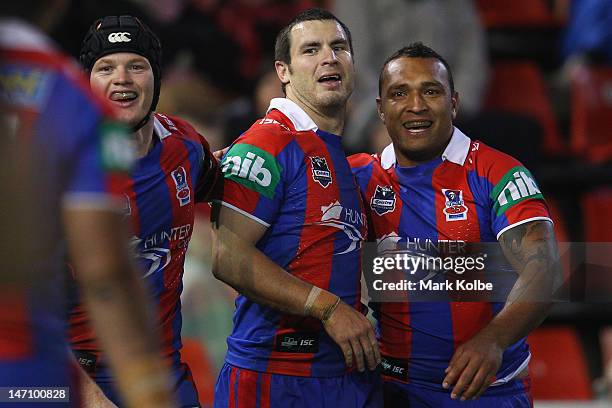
[[455, 104], [381, 114], [283, 71]]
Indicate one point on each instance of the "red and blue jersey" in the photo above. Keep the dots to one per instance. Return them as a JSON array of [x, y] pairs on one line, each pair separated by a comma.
[[61, 134], [472, 193], [294, 179], [163, 188]]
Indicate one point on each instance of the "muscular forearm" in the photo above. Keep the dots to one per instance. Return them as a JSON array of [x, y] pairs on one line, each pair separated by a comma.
[[117, 309], [532, 251], [117, 303], [516, 320], [91, 395], [242, 266]]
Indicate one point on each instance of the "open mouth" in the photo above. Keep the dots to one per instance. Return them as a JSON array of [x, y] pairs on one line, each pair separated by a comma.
[[123, 96], [417, 125], [330, 79]]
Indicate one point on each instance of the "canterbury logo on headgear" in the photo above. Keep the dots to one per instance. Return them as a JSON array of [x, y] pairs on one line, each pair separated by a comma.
[[119, 37]]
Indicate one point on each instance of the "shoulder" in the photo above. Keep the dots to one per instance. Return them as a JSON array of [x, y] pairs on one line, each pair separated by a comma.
[[368, 169], [176, 125], [489, 162], [49, 77], [267, 134], [361, 160], [363, 164]]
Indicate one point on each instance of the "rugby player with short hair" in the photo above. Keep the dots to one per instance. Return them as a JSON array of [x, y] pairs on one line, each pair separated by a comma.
[[435, 184], [175, 170], [289, 235]]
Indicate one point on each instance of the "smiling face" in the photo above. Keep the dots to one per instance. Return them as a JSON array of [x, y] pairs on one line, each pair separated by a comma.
[[126, 80], [321, 72], [417, 108]]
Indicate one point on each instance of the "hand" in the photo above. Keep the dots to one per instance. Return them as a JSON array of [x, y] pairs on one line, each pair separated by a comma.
[[473, 366], [218, 154], [93, 397], [354, 333]]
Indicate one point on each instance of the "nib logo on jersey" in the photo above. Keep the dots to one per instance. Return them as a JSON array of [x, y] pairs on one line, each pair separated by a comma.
[[252, 167], [516, 186], [348, 220], [383, 200]]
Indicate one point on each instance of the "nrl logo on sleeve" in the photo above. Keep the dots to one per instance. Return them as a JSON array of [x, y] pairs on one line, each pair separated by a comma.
[[182, 188], [516, 186], [383, 200], [320, 171], [252, 167], [454, 207]]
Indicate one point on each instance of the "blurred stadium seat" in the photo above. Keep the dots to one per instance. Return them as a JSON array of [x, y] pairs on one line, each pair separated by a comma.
[[596, 206], [558, 218], [558, 368], [515, 13], [591, 113], [518, 86], [195, 355]]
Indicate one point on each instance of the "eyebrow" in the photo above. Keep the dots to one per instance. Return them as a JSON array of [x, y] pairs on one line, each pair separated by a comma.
[[110, 61], [433, 83], [311, 44], [337, 41], [404, 85]]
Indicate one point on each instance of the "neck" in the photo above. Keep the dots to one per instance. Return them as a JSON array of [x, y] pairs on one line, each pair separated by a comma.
[[144, 138], [416, 158], [329, 119]]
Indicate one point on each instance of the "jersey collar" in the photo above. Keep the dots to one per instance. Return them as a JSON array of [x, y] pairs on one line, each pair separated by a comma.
[[300, 119], [456, 151], [18, 34], [160, 130]]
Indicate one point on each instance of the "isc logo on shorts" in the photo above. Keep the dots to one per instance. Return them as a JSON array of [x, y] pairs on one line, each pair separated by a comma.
[[119, 37], [297, 343]]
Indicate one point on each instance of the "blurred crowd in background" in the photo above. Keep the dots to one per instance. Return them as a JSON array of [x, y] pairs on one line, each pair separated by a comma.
[[534, 79]]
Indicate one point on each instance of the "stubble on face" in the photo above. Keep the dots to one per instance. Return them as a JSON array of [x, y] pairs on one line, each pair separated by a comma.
[[321, 71]]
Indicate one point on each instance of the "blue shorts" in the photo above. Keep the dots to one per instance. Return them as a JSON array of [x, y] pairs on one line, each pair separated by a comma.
[[515, 394], [184, 390], [241, 388]]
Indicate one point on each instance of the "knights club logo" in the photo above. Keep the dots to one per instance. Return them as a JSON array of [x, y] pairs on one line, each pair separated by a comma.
[[454, 208], [320, 171], [182, 188], [383, 200]]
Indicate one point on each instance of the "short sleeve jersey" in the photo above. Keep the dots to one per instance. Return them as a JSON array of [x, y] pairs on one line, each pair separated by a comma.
[[63, 134], [160, 196], [473, 193], [293, 178]]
